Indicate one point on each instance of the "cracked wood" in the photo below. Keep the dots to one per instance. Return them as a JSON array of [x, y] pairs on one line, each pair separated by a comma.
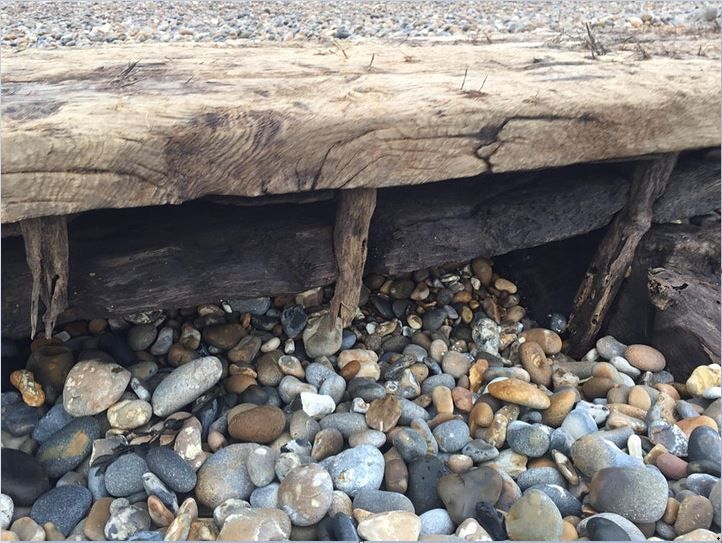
[[157, 124]]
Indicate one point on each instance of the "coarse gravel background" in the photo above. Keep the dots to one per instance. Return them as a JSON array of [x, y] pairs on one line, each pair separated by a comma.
[[41, 24]]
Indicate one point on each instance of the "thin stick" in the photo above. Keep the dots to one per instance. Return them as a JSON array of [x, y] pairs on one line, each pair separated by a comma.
[[464, 81]]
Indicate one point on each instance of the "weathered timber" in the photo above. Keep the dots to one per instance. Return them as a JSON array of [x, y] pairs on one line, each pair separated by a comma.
[[671, 299], [354, 209], [615, 253], [173, 256], [152, 124]]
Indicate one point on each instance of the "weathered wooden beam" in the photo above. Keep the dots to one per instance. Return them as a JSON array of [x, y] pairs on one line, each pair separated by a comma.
[[354, 209], [174, 256], [615, 253], [152, 124]]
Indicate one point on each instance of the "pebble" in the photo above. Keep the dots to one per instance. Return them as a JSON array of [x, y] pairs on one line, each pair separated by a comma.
[[170, 468], [305, 494], [452, 435], [348, 423], [125, 520], [379, 501], [390, 526], [356, 468], [265, 496], [23, 478], [423, 475], [704, 445], [645, 358], [591, 454], [703, 378], [141, 337], [224, 476], [540, 475], [293, 320], [92, 386], [461, 493], [260, 424], [64, 506], [608, 347], [17, 417], [129, 414], [534, 517], [520, 393], [566, 503], [638, 494], [124, 476], [185, 384], [579, 423], [694, 512], [531, 440], [26, 529], [7, 508], [67, 448], [609, 527], [251, 524], [436, 522]]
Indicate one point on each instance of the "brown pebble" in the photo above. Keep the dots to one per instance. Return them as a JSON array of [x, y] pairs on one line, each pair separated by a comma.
[[460, 463], [645, 358], [481, 416], [52, 533], [482, 270], [238, 383], [29, 388], [419, 371], [519, 392], [97, 326], [670, 513], [618, 394], [396, 476], [476, 374], [98, 516], [179, 355], [639, 397], [549, 341], [442, 399], [463, 399], [261, 424], [669, 390], [384, 413], [597, 387], [536, 363], [560, 404], [688, 425], [653, 454], [505, 285], [694, 512], [203, 529], [159, 513], [672, 466], [569, 532], [350, 370]]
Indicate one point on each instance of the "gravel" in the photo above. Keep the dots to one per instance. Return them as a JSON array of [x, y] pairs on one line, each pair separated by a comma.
[[83, 24]]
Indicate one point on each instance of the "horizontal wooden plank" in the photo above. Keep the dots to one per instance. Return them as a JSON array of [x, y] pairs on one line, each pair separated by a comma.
[[122, 261], [157, 124]]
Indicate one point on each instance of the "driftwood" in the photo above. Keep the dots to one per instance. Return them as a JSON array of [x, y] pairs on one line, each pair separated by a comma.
[[672, 297], [350, 237], [175, 256], [615, 253], [152, 124]]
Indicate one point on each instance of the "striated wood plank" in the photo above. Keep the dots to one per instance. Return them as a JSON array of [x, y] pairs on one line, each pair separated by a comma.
[[155, 124]]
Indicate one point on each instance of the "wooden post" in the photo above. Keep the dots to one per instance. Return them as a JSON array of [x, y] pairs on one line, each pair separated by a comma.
[[354, 209], [616, 252]]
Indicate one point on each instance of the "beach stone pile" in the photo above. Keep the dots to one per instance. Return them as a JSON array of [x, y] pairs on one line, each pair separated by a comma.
[[442, 413]]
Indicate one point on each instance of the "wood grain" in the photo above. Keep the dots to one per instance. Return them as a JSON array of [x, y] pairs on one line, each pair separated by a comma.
[[153, 124]]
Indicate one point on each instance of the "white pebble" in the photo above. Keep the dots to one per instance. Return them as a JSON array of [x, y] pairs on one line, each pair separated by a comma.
[[592, 355], [6, 511], [634, 446], [359, 406], [624, 366], [290, 346], [712, 393], [317, 405], [271, 345]]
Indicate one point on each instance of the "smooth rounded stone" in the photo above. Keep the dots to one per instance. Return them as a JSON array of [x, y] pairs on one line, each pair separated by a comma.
[[579, 423], [436, 522], [609, 527], [251, 524], [64, 506], [411, 411], [94, 527], [7, 508], [379, 501], [261, 465], [485, 334], [384, 413], [671, 436], [390, 526], [541, 475], [590, 455], [452, 435], [185, 384], [374, 438], [265, 496], [224, 475], [141, 337], [170, 468], [562, 498], [327, 442], [638, 494], [598, 412], [17, 417], [534, 517], [536, 363], [261, 424], [608, 347], [561, 404], [335, 387], [153, 486], [305, 494], [460, 493], [701, 483], [618, 436], [26, 529], [317, 405], [456, 364], [528, 439], [645, 358], [423, 475], [549, 341], [511, 462], [357, 468], [124, 476], [67, 448], [349, 339], [480, 451], [92, 386], [227, 508], [433, 319], [343, 528], [704, 444], [346, 423], [163, 342], [702, 379], [561, 441], [126, 520], [322, 336], [699, 535], [302, 426], [623, 365], [129, 414], [55, 419], [23, 478], [519, 392], [694, 512], [254, 306], [489, 519], [365, 388], [293, 320], [410, 444]]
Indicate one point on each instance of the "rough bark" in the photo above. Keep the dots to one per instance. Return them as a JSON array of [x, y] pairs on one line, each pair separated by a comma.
[[350, 237], [614, 255]]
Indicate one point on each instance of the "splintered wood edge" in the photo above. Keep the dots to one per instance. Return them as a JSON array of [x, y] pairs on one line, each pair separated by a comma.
[[162, 123]]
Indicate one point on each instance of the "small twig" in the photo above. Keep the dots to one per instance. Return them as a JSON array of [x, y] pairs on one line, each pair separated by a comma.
[[483, 82], [464, 81], [373, 55]]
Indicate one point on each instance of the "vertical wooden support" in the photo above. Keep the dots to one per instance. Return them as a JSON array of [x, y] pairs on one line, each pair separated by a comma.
[[46, 251], [616, 252], [354, 209]]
